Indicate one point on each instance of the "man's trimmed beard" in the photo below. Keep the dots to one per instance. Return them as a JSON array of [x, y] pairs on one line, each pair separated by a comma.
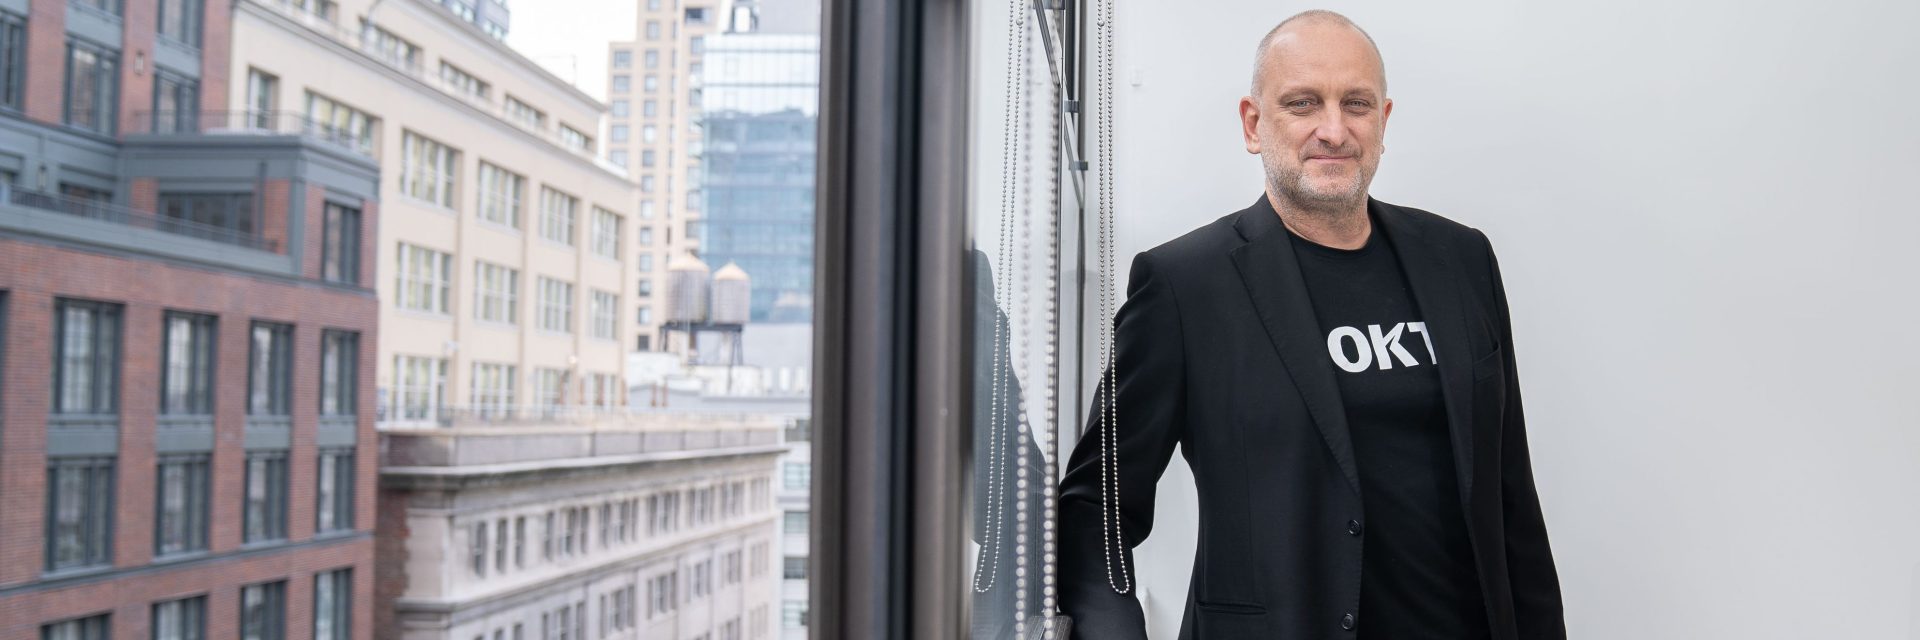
[[1292, 184]]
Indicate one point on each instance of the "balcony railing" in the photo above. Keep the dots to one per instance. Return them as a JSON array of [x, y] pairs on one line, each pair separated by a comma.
[[109, 212], [360, 141]]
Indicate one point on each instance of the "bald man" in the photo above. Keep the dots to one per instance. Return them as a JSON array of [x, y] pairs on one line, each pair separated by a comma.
[[1339, 374]]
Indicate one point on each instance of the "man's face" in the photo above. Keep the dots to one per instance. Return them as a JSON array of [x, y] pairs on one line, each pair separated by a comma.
[[1320, 120]]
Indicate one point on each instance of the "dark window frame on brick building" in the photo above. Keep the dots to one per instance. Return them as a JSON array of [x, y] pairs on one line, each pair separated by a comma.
[[80, 510], [93, 627], [176, 103], [180, 619], [334, 494], [96, 85], [187, 355], [333, 604], [270, 369], [221, 216], [339, 372], [263, 611], [340, 244], [181, 496], [264, 509], [179, 21], [111, 7], [13, 59], [87, 382]]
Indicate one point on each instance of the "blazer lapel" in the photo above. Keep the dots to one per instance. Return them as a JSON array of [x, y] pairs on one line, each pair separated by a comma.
[[1436, 293], [1272, 277]]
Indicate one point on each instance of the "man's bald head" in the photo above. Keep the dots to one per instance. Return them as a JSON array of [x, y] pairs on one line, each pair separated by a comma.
[[1304, 18]]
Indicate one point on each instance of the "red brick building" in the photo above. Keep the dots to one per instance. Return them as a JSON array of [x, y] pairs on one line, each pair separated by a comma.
[[187, 339]]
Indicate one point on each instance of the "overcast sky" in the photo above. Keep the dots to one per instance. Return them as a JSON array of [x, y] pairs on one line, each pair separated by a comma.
[[569, 37]]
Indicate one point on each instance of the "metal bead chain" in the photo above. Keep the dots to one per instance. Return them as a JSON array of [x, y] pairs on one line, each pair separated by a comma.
[[987, 565], [1113, 542], [1022, 364], [1051, 320]]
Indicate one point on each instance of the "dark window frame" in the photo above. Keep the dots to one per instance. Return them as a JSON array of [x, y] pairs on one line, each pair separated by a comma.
[[202, 364], [13, 60], [343, 347], [192, 617], [341, 248], [102, 117], [183, 117], [340, 582], [191, 25], [273, 520], [92, 627], [199, 493], [278, 399], [97, 517], [272, 621], [104, 356], [340, 511], [212, 214]]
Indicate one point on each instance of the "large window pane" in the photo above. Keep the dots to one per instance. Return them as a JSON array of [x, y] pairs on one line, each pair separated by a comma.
[[86, 357], [187, 372], [265, 512], [79, 512], [270, 375], [182, 510]]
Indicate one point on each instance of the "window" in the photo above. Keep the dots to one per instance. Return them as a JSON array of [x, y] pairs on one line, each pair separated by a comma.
[[333, 604], [340, 244], [181, 524], [176, 103], [649, 133], [618, 157], [549, 536], [420, 387], [646, 184], [79, 512], [650, 83], [459, 81], [646, 288], [334, 511], [696, 45], [426, 170], [646, 158], [89, 628], [644, 262], [183, 619], [644, 317], [795, 522], [13, 59], [493, 389], [557, 213], [500, 195], [339, 372], [112, 7], [263, 611], [341, 124], [653, 59], [180, 21], [215, 216], [793, 614], [549, 390], [622, 59], [556, 305], [622, 83], [270, 378], [500, 545], [619, 133], [425, 279], [93, 87], [646, 206], [186, 377], [574, 139], [395, 50], [653, 29], [323, 9], [496, 293], [519, 546], [265, 513], [263, 98], [605, 233], [525, 114], [477, 549], [86, 357], [603, 313], [621, 108]]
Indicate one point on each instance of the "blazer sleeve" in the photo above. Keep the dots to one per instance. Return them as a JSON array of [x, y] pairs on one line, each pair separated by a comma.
[[1098, 582], [1530, 570]]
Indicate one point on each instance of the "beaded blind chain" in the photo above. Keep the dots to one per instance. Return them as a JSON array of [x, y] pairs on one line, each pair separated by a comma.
[[1113, 543], [987, 568]]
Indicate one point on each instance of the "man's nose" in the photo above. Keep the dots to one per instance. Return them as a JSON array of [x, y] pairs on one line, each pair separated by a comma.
[[1332, 130]]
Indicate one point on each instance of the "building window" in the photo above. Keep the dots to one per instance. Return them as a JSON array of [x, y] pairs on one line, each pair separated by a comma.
[[646, 209], [270, 378], [501, 192], [340, 244], [646, 158], [650, 83], [519, 545], [496, 293], [649, 133], [333, 604], [618, 157], [339, 372], [176, 103], [183, 619], [645, 263], [180, 21], [93, 627], [618, 132], [393, 49], [463, 83], [334, 511], [13, 58], [795, 522], [793, 614], [420, 384], [621, 108], [426, 169], [79, 512], [493, 389], [263, 611], [550, 391], [645, 288], [500, 545], [644, 316], [557, 214], [622, 83], [181, 525], [603, 312], [265, 513], [696, 45], [525, 114], [653, 59], [646, 184], [186, 377], [653, 29], [425, 280], [341, 124], [622, 59], [605, 233], [86, 358], [574, 139], [93, 87], [477, 549], [555, 306], [214, 216], [263, 98]]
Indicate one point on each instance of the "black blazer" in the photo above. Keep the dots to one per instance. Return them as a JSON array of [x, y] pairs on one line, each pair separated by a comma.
[[1218, 351]]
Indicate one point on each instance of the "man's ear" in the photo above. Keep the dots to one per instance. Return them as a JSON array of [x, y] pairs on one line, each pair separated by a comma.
[[1250, 124], [1386, 111]]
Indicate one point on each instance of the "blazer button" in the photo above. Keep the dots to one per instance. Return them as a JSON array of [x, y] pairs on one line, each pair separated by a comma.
[[1353, 527], [1346, 622]]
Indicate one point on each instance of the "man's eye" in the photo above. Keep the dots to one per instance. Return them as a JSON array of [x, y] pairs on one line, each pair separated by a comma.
[[1299, 104], [1358, 104]]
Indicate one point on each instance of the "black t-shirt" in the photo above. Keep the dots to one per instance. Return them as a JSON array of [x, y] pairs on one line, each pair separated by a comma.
[[1418, 581]]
